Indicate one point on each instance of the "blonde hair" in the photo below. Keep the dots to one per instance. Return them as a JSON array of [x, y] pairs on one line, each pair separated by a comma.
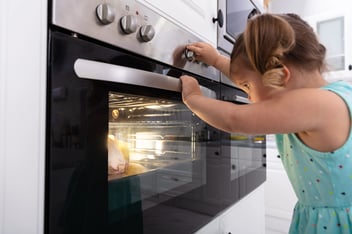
[[272, 40]]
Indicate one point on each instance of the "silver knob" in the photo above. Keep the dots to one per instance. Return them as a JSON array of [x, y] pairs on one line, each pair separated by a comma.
[[147, 32], [105, 13], [129, 24], [190, 55]]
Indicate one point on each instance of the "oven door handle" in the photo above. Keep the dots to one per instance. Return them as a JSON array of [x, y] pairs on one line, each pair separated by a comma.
[[89, 69]]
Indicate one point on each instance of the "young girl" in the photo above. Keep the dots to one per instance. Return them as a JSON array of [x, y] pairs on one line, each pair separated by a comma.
[[278, 62]]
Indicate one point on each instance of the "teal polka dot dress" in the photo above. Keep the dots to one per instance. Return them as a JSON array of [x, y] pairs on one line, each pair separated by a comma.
[[322, 181]]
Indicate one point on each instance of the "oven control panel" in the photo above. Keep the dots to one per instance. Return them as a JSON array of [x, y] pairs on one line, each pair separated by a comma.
[[132, 26]]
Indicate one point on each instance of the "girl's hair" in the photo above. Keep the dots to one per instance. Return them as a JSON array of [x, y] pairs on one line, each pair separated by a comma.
[[271, 40]]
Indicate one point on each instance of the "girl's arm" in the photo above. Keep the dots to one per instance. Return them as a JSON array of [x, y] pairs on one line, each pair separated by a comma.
[[313, 111]]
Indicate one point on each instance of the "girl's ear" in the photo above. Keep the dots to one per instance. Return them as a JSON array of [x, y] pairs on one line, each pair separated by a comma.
[[286, 75]]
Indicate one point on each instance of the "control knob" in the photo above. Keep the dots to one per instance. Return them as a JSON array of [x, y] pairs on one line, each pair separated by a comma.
[[190, 55], [147, 33], [105, 13], [129, 24]]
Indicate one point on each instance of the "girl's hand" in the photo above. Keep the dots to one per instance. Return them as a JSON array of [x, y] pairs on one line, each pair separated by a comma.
[[190, 87], [204, 52]]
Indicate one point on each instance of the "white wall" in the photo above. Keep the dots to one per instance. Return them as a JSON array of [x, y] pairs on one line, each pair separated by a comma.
[[22, 115]]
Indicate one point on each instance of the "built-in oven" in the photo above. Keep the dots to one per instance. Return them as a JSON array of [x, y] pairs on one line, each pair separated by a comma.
[[232, 19], [123, 153], [246, 153], [123, 148]]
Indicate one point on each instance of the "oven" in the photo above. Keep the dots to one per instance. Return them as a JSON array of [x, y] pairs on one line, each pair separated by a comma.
[[123, 153], [232, 19], [246, 153]]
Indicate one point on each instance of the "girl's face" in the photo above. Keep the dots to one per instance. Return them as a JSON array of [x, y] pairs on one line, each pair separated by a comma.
[[250, 82]]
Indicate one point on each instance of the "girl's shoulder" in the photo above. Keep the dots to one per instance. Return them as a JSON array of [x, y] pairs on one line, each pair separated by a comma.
[[343, 89]]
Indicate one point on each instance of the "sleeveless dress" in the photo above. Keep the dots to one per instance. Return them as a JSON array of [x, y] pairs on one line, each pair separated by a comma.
[[322, 181]]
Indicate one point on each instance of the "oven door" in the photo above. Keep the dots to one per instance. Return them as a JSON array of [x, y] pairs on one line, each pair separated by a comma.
[[246, 153], [124, 154], [234, 14]]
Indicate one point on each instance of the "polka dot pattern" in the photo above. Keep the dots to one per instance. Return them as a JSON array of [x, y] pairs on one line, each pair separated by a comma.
[[322, 181]]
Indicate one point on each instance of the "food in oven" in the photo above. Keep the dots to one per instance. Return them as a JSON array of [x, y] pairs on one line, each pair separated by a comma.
[[118, 156], [119, 159]]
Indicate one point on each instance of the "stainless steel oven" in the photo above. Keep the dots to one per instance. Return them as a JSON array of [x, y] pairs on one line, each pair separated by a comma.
[[232, 19], [123, 153]]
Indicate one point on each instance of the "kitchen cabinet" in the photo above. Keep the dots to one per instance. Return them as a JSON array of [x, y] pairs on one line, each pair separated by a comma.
[[333, 30], [244, 217], [23, 39], [194, 16], [280, 198], [333, 22]]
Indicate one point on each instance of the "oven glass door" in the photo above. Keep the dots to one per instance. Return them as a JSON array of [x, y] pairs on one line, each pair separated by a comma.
[[237, 14], [124, 154], [247, 153]]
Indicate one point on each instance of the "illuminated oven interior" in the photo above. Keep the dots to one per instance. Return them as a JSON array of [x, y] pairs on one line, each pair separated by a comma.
[[146, 134]]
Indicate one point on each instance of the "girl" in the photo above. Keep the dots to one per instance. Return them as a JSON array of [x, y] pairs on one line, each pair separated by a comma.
[[278, 62]]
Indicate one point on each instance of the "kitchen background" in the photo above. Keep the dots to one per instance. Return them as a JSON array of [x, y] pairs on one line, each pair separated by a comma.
[[23, 26]]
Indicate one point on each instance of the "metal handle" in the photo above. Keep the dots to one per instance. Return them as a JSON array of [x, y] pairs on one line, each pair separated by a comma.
[[220, 18], [241, 99], [88, 69]]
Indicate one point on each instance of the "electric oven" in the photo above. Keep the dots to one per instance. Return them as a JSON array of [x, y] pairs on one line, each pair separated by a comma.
[[123, 153], [246, 153], [232, 19]]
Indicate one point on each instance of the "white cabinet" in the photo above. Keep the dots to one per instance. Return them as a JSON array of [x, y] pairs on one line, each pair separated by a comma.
[[244, 217], [22, 115], [279, 195], [334, 31], [194, 16]]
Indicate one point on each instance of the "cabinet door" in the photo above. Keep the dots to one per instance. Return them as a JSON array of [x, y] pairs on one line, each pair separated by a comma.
[[246, 216], [333, 30], [279, 195], [194, 16]]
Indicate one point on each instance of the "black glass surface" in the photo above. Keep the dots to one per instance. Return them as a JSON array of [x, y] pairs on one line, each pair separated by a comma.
[[247, 153], [79, 197]]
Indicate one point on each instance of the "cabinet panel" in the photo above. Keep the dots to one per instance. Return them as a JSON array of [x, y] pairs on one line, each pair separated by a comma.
[[333, 30], [194, 16], [280, 198], [244, 217]]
